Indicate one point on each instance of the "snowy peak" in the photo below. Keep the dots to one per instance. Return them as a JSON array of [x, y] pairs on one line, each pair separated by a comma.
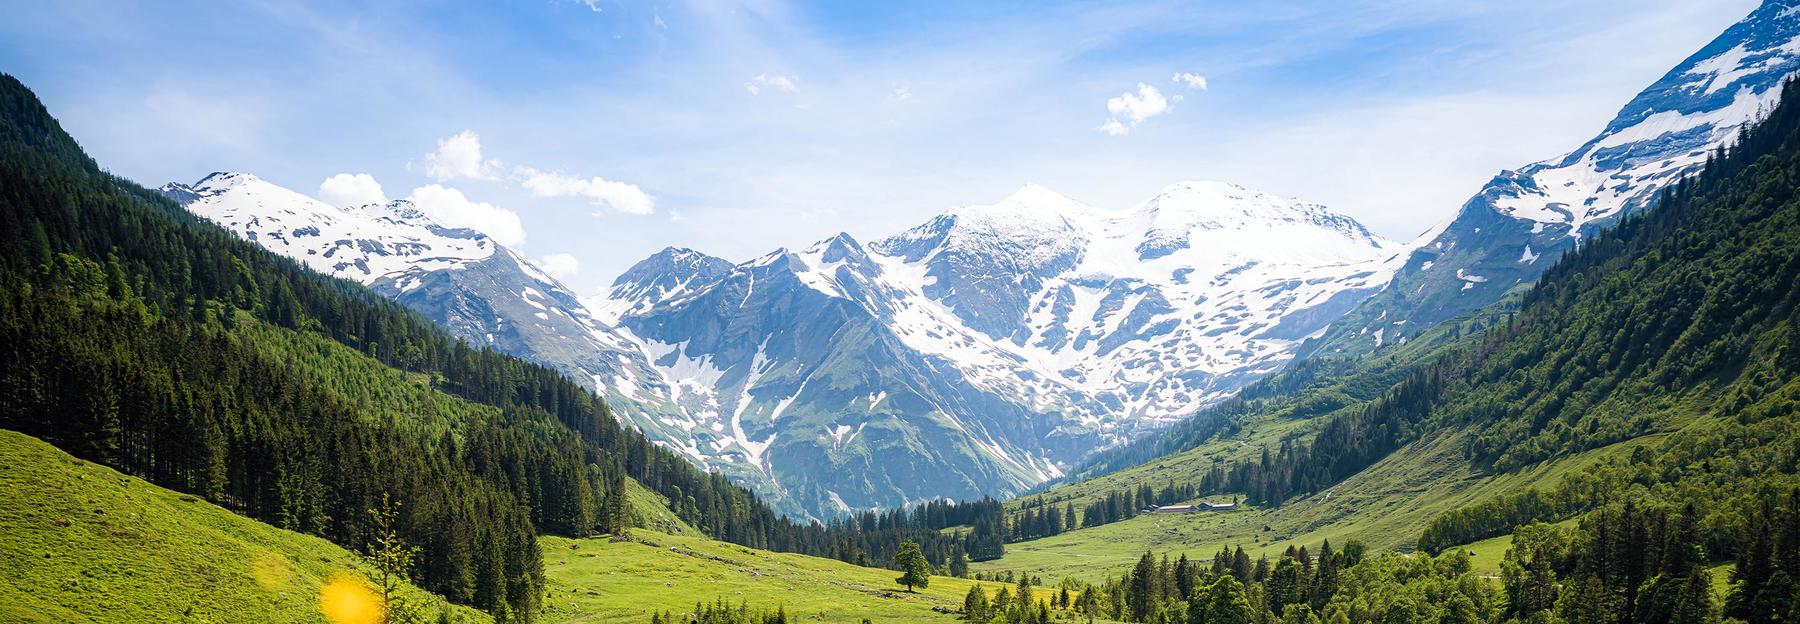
[[1523, 219], [1034, 230], [399, 211], [363, 244], [1228, 219], [665, 275], [1037, 197], [1665, 132], [1220, 205], [667, 271]]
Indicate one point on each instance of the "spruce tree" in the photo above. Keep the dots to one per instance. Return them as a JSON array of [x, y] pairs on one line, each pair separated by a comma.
[[975, 605]]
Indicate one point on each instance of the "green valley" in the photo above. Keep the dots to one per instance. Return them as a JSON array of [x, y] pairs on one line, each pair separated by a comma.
[[201, 425]]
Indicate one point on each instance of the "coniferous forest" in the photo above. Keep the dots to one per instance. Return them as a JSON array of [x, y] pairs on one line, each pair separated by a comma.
[[142, 337]]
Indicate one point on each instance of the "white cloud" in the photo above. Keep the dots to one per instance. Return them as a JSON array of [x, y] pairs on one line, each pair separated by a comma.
[[900, 94], [451, 208], [1130, 109], [350, 190], [780, 82], [459, 156], [561, 266], [1192, 80], [615, 196]]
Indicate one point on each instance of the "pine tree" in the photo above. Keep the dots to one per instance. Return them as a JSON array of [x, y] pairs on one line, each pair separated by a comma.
[[1696, 605], [1241, 568], [1141, 594], [975, 605], [1325, 580], [392, 559]]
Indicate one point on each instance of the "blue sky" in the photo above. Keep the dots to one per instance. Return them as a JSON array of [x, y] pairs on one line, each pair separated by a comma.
[[594, 133]]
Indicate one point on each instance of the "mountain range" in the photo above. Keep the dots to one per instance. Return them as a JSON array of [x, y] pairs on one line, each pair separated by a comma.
[[997, 347], [980, 353]]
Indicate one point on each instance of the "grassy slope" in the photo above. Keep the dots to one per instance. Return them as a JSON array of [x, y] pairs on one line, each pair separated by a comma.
[[134, 552], [598, 580], [1385, 506]]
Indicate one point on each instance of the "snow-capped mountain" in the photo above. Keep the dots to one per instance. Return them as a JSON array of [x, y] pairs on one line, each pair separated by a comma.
[[362, 244], [480, 290], [991, 347], [1522, 220]]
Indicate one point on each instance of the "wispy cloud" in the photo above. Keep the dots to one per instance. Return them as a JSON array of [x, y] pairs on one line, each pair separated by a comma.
[[779, 82], [1192, 80], [614, 196]]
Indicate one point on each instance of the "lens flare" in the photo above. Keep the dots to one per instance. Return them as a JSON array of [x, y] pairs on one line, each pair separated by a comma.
[[345, 599]]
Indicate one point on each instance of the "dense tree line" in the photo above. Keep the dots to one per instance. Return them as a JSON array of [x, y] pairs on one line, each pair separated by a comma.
[[1296, 587], [1622, 564], [1037, 517], [872, 538], [1577, 492], [720, 612]]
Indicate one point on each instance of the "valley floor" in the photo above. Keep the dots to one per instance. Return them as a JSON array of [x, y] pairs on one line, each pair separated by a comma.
[[601, 580], [1385, 506]]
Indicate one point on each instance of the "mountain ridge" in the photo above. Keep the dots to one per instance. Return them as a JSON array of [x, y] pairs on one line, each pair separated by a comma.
[[1006, 305], [1505, 235]]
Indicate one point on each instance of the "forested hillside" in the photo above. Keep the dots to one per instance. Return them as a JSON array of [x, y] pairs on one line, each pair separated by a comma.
[[136, 335], [1645, 395]]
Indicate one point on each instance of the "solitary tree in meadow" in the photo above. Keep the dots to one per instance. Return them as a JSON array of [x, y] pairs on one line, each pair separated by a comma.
[[916, 572]]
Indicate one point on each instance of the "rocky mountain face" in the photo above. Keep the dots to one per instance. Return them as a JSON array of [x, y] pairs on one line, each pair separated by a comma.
[[482, 291], [1517, 225], [980, 353], [990, 348]]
